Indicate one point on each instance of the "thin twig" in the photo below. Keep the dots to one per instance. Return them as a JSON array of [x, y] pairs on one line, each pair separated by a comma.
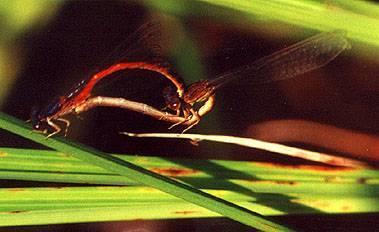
[[267, 146], [133, 106], [248, 142]]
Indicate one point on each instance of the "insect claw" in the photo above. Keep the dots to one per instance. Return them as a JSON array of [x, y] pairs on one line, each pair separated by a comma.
[[53, 133], [55, 126], [178, 123], [196, 119], [190, 126]]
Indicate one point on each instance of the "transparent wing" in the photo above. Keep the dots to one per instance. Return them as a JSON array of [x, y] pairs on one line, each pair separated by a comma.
[[290, 62], [142, 44]]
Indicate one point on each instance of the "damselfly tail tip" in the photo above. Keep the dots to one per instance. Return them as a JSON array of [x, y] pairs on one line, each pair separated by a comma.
[[127, 134]]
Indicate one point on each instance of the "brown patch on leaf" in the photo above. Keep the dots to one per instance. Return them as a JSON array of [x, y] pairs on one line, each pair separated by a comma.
[[185, 212], [345, 208], [17, 211], [14, 212], [3, 154], [305, 167], [16, 190], [174, 172], [285, 182], [280, 182], [362, 180], [63, 154]]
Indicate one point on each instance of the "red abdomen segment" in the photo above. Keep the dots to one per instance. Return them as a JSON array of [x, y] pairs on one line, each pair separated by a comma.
[[86, 90]]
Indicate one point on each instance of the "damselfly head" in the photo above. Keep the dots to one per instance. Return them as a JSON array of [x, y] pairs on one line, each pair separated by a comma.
[[172, 100], [38, 123]]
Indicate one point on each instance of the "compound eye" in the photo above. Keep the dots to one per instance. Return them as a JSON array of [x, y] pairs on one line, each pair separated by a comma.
[[37, 127], [175, 106]]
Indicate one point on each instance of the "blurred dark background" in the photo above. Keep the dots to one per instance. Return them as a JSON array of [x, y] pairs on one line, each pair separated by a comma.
[[75, 42]]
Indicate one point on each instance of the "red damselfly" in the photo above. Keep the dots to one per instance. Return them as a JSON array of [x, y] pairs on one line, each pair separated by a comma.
[[302, 57], [44, 119]]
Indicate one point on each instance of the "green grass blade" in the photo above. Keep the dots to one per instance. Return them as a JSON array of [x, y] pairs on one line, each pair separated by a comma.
[[142, 175], [319, 15], [42, 165], [309, 14], [77, 215], [267, 189], [33, 206]]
